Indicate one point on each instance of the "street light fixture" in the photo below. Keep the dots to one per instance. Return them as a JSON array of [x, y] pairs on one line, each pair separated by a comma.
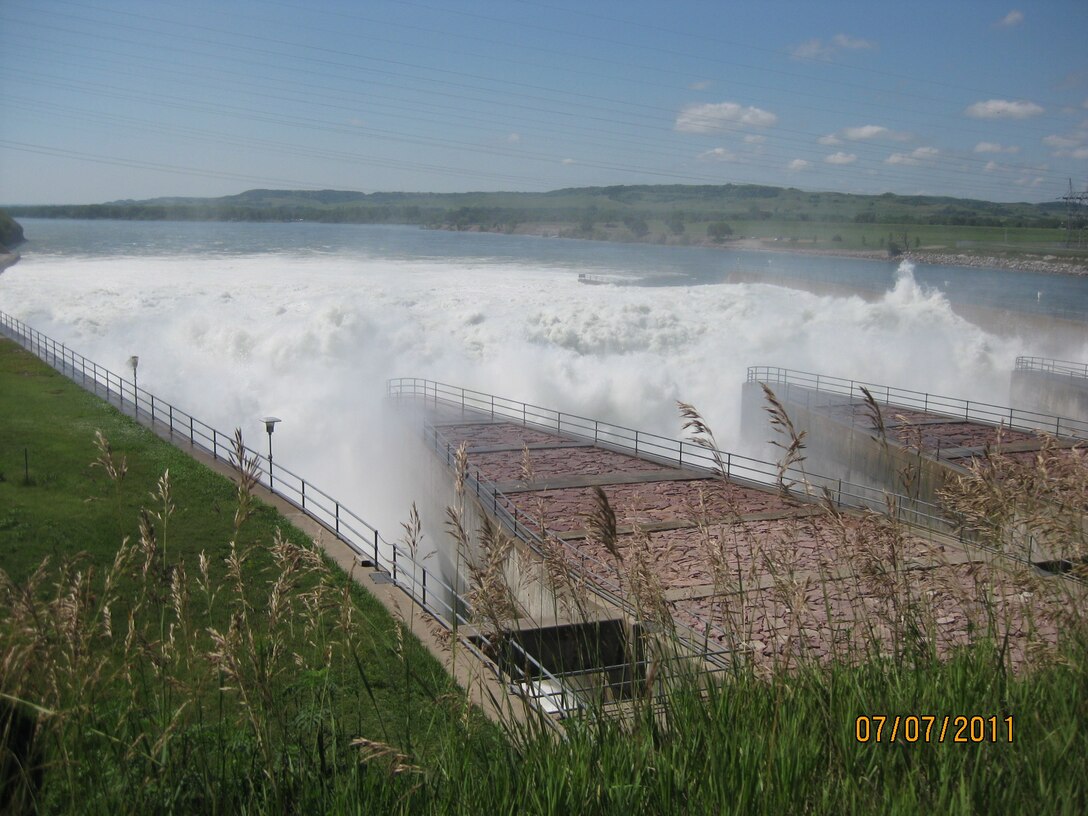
[[270, 425], [133, 362]]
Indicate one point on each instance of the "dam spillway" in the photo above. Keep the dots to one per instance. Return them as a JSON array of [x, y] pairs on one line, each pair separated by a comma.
[[707, 543], [898, 440]]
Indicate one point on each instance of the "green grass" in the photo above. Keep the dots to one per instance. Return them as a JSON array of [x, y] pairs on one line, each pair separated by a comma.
[[382, 685], [172, 720]]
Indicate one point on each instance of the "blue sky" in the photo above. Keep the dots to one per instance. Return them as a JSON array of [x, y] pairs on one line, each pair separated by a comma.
[[111, 100]]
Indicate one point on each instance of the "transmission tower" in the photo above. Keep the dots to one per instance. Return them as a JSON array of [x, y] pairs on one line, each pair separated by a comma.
[[1073, 203]]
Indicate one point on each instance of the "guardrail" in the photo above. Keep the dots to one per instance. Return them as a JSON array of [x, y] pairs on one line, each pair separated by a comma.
[[544, 688], [957, 409], [922, 516], [669, 452], [1066, 367]]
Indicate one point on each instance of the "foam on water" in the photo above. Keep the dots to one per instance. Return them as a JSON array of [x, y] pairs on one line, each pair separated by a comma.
[[313, 339]]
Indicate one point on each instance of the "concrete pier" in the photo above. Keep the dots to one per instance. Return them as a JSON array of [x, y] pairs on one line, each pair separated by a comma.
[[1058, 387], [740, 569], [900, 441]]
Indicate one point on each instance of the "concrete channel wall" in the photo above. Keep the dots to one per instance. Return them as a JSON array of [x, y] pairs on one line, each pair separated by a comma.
[[850, 453], [1050, 392]]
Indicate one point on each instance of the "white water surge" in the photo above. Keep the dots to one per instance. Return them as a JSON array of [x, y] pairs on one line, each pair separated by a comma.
[[313, 339]]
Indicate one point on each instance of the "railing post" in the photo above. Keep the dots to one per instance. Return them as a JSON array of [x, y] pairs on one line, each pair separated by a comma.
[[215, 445], [636, 443], [171, 418], [303, 494], [375, 548], [192, 437], [152, 406], [338, 518], [424, 588]]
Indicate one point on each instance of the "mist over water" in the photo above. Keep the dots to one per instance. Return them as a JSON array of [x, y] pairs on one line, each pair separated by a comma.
[[312, 338]]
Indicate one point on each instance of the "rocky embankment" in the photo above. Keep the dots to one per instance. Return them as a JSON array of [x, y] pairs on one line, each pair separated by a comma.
[[11, 235], [1047, 264]]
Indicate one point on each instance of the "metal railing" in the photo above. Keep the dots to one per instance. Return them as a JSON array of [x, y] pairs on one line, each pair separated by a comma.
[[1066, 367], [954, 408], [668, 452], [924, 517], [428, 589]]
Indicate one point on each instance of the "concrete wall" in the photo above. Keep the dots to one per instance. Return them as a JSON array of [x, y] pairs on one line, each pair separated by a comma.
[[1049, 393], [523, 570], [837, 450]]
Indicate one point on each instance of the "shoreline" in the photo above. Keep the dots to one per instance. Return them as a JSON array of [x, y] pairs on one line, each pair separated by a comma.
[[1039, 264], [8, 259]]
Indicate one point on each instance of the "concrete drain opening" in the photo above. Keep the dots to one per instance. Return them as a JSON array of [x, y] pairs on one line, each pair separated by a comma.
[[1063, 566], [567, 666]]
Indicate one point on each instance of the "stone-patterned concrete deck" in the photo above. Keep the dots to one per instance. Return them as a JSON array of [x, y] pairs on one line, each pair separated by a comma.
[[766, 575], [954, 440]]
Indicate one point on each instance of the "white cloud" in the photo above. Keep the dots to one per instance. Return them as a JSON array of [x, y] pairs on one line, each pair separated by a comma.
[[514, 138], [1010, 20], [900, 158], [852, 43], [991, 166], [994, 147], [1080, 153], [568, 161], [711, 117], [753, 138], [797, 165], [855, 134], [1061, 142], [864, 132], [841, 158], [1003, 109], [717, 154], [701, 85], [812, 49], [818, 49], [916, 156]]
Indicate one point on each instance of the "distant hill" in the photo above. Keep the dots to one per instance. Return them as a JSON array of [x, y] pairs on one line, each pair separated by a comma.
[[584, 206]]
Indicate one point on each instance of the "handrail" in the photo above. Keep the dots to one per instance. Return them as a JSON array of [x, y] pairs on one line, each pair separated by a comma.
[[952, 407], [669, 452], [740, 470], [1067, 367], [424, 587]]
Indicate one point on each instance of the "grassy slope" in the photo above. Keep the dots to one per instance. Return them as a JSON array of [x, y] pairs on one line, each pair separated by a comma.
[[68, 511]]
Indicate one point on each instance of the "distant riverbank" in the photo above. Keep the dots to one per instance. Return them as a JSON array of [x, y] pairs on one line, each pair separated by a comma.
[[8, 259], [1044, 264]]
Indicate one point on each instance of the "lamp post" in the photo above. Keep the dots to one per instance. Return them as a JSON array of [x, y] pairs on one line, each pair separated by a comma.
[[270, 425], [133, 362]]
